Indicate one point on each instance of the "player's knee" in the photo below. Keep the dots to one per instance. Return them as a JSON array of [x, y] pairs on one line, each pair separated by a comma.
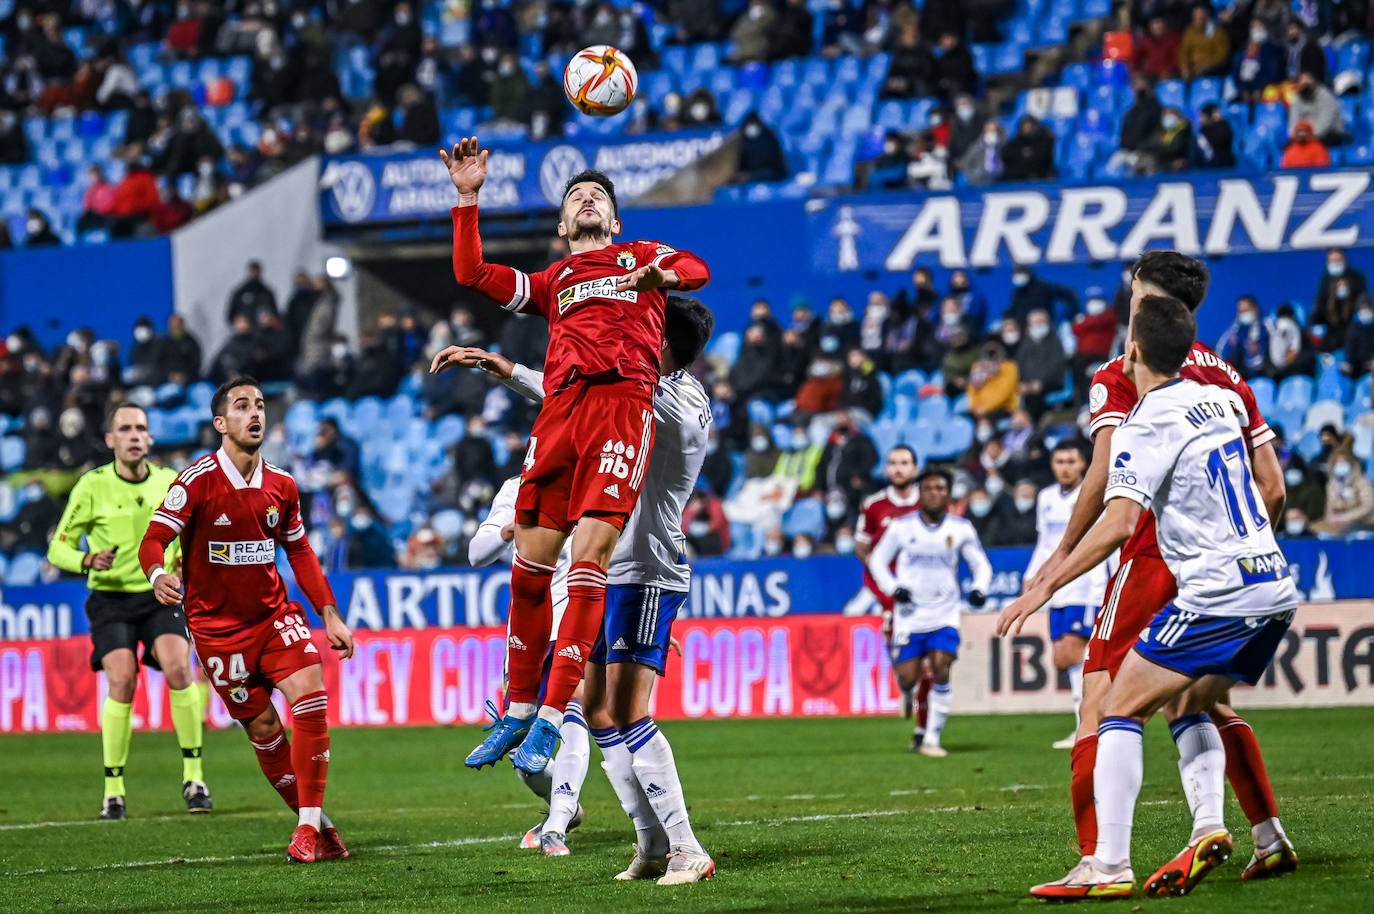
[[264, 726], [178, 674], [121, 685]]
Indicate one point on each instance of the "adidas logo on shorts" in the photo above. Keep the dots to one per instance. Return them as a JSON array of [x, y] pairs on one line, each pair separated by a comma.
[[620, 645], [653, 791], [515, 643], [612, 490], [572, 652], [223, 521]]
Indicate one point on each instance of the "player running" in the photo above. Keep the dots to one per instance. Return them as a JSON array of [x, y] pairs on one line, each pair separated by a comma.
[[898, 499], [1143, 584], [232, 509], [589, 449], [1073, 609], [111, 506], [1181, 453], [650, 580], [493, 542], [926, 547]]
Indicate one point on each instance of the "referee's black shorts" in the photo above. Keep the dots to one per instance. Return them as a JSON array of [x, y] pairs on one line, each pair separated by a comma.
[[124, 620]]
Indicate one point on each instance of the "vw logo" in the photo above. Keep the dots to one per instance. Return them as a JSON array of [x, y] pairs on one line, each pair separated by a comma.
[[353, 188], [560, 163]]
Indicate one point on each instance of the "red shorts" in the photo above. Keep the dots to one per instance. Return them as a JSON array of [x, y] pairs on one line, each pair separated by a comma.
[[588, 454], [245, 666], [1141, 587]]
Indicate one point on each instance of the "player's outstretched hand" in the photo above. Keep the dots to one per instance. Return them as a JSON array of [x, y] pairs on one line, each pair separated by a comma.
[[167, 590], [1017, 612], [467, 164], [1043, 573], [493, 363], [645, 279], [340, 638]]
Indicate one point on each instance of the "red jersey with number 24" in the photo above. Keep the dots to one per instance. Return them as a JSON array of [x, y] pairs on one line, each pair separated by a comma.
[[1113, 396], [230, 529]]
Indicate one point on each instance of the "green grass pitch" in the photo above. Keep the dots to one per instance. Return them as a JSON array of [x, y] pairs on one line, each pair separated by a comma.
[[801, 815]]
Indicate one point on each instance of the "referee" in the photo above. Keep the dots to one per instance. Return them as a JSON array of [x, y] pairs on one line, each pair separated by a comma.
[[110, 506]]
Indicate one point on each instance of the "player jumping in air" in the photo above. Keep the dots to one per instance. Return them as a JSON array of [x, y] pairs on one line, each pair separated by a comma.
[[1073, 609], [1181, 454], [589, 449], [111, 506], [1143, 584], [898, 499], [232, 509], [926, 547], [649, 584]]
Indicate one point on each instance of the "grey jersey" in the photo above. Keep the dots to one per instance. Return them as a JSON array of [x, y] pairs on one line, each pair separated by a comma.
[[650, 551]]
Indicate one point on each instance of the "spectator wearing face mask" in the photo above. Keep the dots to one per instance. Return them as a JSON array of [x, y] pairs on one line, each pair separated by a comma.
[[760, 153], [972, 303], [1024, 453], [705, 524], [966, 127], [839, 330], [803, 547], [982, 162], [961, 353], [1359, 339], [994, 383], [1296, 525], [1304, 489], [1318, 106], [799, 461], [1095, 333], [763, 453], [978, 510], [144, 355], [847, 462], [751, 33], [1010, 335], [1016, 521], [1041, 363], [510, 92], [31, 527], [1334, 305], [755, 373], [368, 544], [1302, 54], [1349, 498], [38, 232], [1215, 140], [1259, 65], [1289, 352], [1171, 147], [820, 392], [1030, 293], [1245, 344]]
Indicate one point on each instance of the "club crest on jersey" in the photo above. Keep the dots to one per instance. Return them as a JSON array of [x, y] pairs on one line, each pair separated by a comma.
[[273, 515], [238, 694], [626, 259], [593, 288], [949, 542]]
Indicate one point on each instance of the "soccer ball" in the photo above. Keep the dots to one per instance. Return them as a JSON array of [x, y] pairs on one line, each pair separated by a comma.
[[600, 80]]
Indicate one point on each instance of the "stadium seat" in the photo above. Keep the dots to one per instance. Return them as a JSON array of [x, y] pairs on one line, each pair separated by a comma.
[[1295, 393], [24, 570], [1324, 412], [9, 506], [1263, 389], [745, 541], [806, 517], [933, 409], [12, 450]]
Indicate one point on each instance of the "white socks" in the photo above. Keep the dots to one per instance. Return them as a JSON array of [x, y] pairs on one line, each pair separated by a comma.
[[657, 774], [1076, 690], [1267, 832], [568, 770], [1202, 766], [939, 702], [522, 710], [310, 815], [619, 766], [1116, 778], [552, 715]]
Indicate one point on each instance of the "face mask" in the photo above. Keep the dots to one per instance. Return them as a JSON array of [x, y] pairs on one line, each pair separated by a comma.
[[891, 148], [844, 545], [995, 486], [75, 341], [1307, 93], [361, 521], [13, 343], [506, 69], [1024, 504], [701, 111], [836, 509], [698, 528], [830, 344], [1038, 332], [1365, 316], [949, 319], [143, 334], [984, 434], [759, 443], [1245, 318], [1342, 471], [799, 441], [34, 225], [980, 507], [1342, 292], [964, 112], [1335, 267], [1292, 477], [1011, 338], [343, 507], [1096, 306], [1294, 527], [989, 139], [755, 13], [772, 547], [1020, 279], [403, 19], [34, 492], [1259, 36], [298, 21], [207, 169], [801, 551], [338, 350], [959, 491]]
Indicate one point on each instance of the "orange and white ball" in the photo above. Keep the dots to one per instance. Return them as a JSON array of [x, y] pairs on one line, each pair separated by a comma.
[[600, 80]]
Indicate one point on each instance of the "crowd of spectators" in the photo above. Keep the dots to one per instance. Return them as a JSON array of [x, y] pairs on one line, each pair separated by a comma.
[[1023, 366]]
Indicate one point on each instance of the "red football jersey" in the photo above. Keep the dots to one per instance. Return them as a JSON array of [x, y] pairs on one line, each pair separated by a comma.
[[877, 512], [593, 329], [230, 529], [1113, 396]]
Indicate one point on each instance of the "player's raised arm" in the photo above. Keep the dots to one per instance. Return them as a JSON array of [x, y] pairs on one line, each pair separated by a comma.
[[681, 271], [512, 289]]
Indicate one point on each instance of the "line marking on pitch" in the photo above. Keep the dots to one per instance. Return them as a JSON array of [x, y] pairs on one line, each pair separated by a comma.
[[1017, 788]]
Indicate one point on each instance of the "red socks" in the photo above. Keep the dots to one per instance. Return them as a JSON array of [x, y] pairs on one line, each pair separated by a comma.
[[1083, 760], [577, 632], [1245, 770], [274, 757], [310, 747], [531, 620], [922, 693]]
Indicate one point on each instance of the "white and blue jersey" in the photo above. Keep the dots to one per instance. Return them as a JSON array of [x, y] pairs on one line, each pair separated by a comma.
[[1182, 454], [1073, 608]]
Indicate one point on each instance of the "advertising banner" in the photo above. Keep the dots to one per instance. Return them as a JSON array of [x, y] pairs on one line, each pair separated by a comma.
[[401, 187], [799, 666], [721, 589]]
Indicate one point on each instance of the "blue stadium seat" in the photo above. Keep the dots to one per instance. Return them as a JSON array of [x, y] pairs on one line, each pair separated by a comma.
[[1172, 94], [12, 450], [1264, 394], [806, 517], [1332, 384], [745, 541], [909, 383], [725, 346], [674, 59], [933, 409], [1205, 91], [953, 436], [760, 412], [1324, 412], [24, 570], [1309, 445], [1295, 393], [1078, 76]]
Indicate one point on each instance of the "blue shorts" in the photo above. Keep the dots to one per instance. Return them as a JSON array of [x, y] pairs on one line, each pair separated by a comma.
[[1200, 645], [1072, 620], [638, 623], [921, 643]]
